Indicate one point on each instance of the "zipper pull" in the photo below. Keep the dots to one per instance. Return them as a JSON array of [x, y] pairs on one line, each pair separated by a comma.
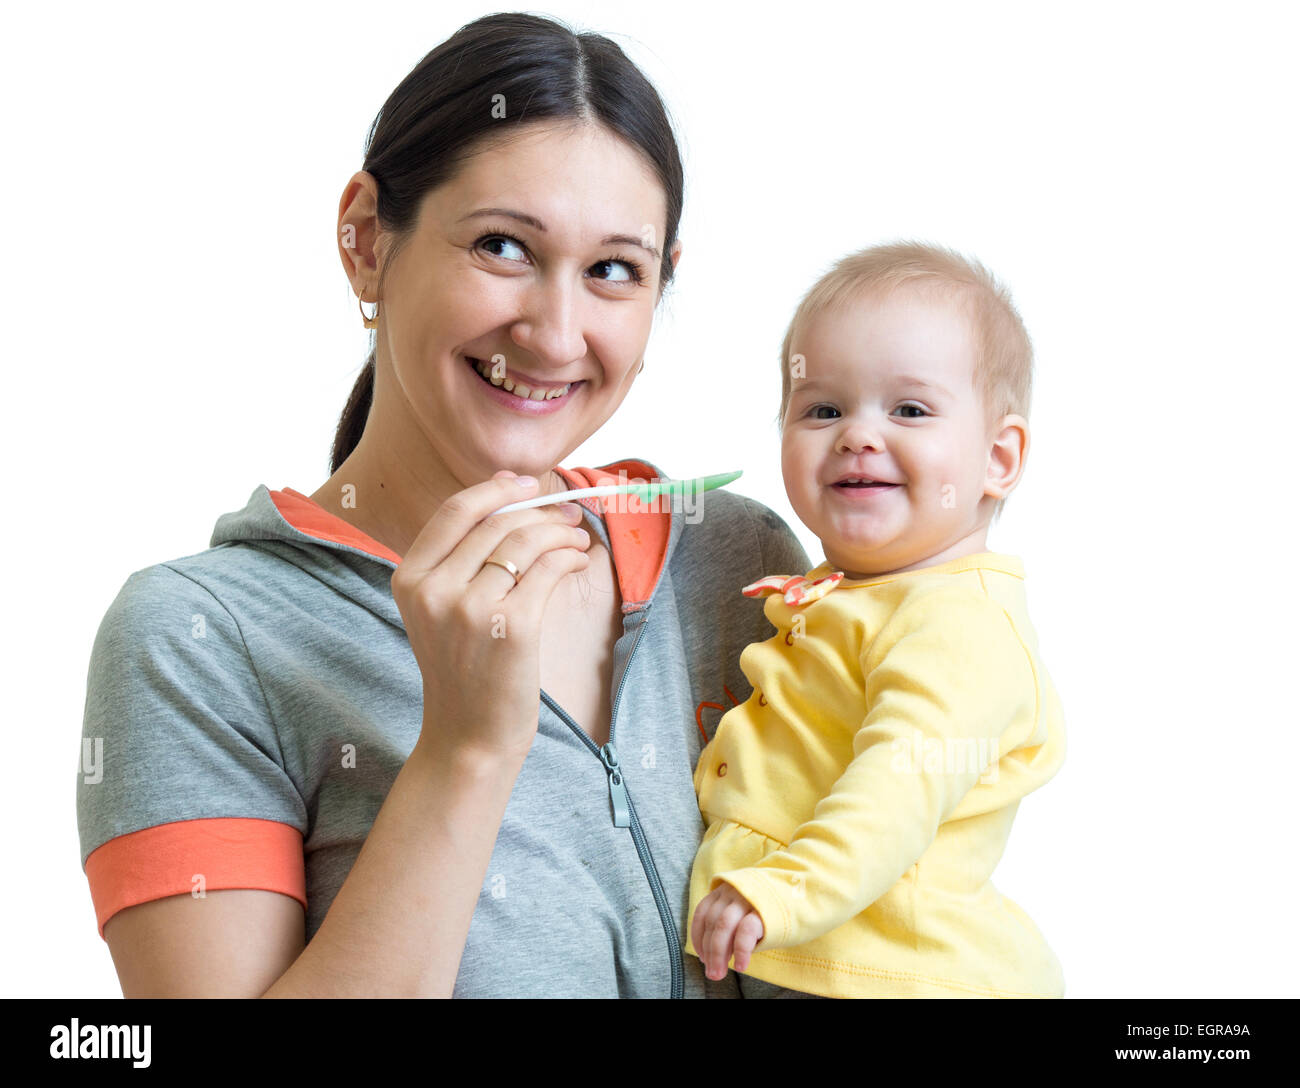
[[617, 791]]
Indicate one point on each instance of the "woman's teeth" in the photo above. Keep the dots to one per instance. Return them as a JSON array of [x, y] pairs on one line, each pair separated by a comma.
[[518, 388]]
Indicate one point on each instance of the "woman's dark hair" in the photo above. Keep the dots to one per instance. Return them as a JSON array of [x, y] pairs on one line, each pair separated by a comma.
[[444, 107]]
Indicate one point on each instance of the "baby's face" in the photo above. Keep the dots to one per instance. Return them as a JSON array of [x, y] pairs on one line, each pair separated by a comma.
[[888, 395]]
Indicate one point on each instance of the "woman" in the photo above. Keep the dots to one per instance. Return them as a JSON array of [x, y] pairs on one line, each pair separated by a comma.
[[392, 745]]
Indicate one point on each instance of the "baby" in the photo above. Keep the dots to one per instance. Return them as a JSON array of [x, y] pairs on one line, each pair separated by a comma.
[[859, 800]]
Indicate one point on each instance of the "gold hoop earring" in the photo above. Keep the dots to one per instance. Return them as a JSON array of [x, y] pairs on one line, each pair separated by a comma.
[[372, 321]]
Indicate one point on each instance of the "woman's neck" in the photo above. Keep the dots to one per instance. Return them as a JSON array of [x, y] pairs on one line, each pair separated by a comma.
[[391, 502]]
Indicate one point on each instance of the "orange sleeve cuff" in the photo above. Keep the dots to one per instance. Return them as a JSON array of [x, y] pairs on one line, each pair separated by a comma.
[[164, 860]]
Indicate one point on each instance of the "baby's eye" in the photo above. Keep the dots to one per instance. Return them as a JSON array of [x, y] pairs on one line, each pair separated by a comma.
[[822, 408], [915, 408], [497, 243]]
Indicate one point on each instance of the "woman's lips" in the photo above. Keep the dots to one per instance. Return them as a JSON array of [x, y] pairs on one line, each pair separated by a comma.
[[519, 404]]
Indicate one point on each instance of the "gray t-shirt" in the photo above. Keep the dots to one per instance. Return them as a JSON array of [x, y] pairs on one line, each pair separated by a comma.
[[252, 704]]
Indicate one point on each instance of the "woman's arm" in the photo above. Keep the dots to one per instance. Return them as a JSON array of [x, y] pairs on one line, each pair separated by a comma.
[[165, 947], [396, 928], [398, 924]]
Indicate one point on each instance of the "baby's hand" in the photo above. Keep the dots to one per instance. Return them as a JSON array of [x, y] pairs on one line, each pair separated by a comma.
[[725, 923]]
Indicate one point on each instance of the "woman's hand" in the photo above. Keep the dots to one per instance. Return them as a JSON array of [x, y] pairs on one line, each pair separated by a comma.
[[725, 923], [474, 632]]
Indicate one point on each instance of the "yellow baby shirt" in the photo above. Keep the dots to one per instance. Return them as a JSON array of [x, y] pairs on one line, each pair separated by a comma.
[[863, 794]]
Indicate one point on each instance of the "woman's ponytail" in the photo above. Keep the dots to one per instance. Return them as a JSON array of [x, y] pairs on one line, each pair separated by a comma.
[[353, 420]]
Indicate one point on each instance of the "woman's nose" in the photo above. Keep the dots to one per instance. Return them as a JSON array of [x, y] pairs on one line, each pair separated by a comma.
[[550, 328]]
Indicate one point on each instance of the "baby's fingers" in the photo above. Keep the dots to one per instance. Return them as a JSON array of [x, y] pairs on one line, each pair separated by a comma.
[[720, 936], [702, 922], [705, 934], [717, 942], [698, 929], [748, 934]]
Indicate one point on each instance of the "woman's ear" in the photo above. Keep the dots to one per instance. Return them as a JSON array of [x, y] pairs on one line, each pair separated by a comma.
[[1007, 456], [358, 235], [674, 255]]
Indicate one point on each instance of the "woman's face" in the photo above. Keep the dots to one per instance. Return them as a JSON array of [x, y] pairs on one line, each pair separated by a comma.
[[538, 263]]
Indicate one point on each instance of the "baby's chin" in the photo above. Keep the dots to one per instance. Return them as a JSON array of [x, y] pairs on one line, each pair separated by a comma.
[[858, 565], [870, 559]]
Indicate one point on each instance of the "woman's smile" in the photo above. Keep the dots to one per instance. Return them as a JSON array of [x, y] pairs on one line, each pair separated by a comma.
[[531, 398]]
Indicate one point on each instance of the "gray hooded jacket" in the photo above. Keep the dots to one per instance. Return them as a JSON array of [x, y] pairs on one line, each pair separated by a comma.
[[248, 708]]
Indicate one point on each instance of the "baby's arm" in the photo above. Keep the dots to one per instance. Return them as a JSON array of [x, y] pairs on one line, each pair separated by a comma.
[[947, 677]]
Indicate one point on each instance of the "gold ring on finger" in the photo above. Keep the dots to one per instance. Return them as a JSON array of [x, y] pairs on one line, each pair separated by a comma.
[[505, 564]]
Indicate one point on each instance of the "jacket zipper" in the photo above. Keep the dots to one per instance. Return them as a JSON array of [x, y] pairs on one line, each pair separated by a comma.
[[625, 812]]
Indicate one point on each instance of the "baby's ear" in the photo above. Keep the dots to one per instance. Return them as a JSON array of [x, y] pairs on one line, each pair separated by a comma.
[[1007, 456]]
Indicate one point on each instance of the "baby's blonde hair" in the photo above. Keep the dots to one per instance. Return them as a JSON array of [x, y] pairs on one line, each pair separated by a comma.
[[1004, 361]]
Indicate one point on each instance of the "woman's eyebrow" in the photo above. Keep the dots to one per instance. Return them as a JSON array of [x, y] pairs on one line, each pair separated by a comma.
[[522, 217], [537, 224], [629, 240]]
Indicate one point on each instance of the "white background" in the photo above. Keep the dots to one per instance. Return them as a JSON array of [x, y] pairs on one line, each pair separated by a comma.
[[178, 330]]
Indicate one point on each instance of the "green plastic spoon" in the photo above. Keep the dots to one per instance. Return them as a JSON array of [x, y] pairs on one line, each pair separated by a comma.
[[644, 492]]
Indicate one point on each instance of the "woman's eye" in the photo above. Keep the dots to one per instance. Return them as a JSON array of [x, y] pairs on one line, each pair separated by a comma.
[[612, 269], [501, 245], [631, 272]]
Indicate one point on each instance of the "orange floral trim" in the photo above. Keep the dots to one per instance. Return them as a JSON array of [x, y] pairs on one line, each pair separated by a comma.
[[795, 589]]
